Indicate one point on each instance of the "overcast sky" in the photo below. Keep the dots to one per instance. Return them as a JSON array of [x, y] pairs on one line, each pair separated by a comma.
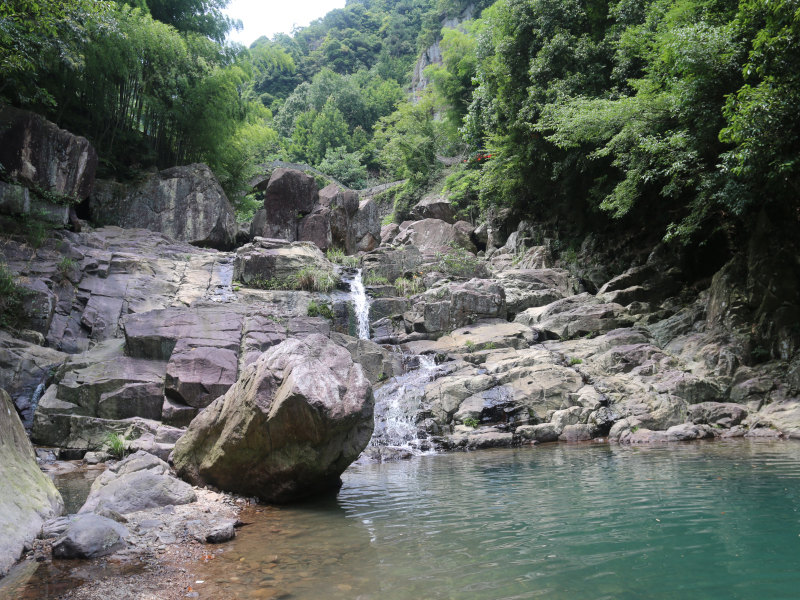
[[268, 17]]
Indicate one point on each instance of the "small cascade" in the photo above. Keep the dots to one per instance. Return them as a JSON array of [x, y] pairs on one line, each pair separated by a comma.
[[27, 413], [397, 405], [358, 296], [221, 286]]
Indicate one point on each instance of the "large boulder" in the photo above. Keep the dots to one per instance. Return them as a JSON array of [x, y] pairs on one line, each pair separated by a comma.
[[36, 153], [288, 197], [186, 203], [434, 235], [434, 207], [27, 496], [274, 259], [288, 428], [364, 231]]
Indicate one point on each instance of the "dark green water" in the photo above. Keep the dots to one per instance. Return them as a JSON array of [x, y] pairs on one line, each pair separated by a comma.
[[712, 520]]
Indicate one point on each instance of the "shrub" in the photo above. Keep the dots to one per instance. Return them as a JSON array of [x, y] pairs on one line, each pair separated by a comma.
[[66, 265], [373, 278], [471, 422], [314, 280], [115, 443], [320, 309], [337, 256], [460, 262], [574, 361], [409, 287], [11, 296]]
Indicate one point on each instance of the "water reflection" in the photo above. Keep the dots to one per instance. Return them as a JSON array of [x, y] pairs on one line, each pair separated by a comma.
[[710, 520]]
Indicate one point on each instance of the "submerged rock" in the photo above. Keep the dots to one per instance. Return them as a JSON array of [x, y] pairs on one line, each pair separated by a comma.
[[288, 428], [27, 496]]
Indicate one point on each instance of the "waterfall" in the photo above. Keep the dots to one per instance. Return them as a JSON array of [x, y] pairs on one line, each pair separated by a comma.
[[358, 295], [397, 405]]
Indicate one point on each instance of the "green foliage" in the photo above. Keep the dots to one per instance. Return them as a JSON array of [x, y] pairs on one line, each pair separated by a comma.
[[459, 262], [11, 297], [470, 346], [471, 422], [409, 287], [320, 309], [66, 265], [116, 445], [375, 278], [407, 142], [344, 166], [574, 361], [338, 257], [204, 17], [314, 280]]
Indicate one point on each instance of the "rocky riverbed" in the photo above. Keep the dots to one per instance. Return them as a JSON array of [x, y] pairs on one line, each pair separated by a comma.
[[130, 340]]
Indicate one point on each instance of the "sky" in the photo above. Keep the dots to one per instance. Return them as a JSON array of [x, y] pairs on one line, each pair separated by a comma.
[[268, 17]]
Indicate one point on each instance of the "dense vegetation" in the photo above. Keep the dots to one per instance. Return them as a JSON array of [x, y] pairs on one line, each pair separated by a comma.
[[683, 112]]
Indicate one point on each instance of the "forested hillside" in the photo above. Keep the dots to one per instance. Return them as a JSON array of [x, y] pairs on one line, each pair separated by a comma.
[[677, 114]]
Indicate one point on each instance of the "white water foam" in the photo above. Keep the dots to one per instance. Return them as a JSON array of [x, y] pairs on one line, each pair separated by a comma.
[[397, 404], [361, 302]]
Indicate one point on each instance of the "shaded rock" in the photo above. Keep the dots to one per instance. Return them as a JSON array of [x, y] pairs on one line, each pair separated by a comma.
[[36, 153], [434, 207], [258, 226], [378, 364], [186, 203], [392, 262], [579, 432], [364, 231], [90, 536], [138, 482], [197, 375], [389, 232], [117, 388], [155, 334], [289, 196], [16, 200], [288, 428], [24, 369], [526, 288], [27, 496], [722, 413], [316, 228]]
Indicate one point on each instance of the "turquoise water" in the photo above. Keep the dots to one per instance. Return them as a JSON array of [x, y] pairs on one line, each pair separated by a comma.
[[709, 520]]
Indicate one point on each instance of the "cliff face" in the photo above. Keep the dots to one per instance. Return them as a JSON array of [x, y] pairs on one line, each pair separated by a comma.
[[433, 54]]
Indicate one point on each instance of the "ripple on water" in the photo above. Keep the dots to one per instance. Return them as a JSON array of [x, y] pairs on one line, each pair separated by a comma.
[[699, 520]]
